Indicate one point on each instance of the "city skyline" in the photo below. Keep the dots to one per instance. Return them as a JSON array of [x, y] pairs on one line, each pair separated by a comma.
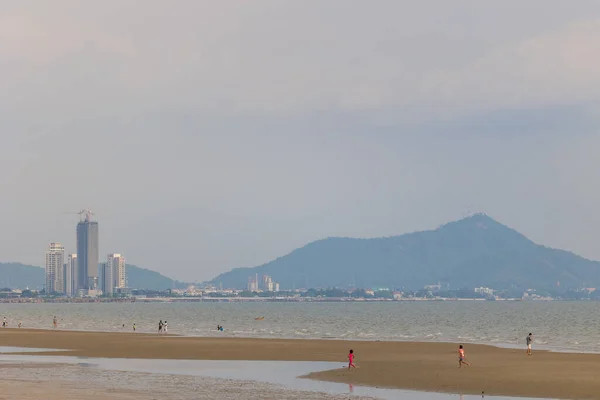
[[81, 272], [266, 284]]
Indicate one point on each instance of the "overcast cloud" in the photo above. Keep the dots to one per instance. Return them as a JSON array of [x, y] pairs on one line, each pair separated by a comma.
[[207, 135]]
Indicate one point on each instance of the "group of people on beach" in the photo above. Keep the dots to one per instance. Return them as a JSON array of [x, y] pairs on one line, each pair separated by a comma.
[[462, 360], [5, 323], [162, 327], [461, 351]]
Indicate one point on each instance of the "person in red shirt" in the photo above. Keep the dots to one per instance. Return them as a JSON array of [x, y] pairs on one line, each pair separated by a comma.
[[351, 359], [461, 357]]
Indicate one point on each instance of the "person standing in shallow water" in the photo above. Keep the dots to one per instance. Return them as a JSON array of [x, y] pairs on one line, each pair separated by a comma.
[[160, 327], [529, 341], [54, 322], [351, 359]]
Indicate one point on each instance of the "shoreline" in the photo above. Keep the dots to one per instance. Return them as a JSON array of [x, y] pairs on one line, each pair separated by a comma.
[[422, 366], [499, 345]]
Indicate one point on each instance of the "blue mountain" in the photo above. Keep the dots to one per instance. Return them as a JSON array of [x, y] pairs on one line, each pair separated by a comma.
[[475, 251]]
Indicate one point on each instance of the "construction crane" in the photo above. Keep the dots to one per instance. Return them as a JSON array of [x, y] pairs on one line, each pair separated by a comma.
[[84, 215]]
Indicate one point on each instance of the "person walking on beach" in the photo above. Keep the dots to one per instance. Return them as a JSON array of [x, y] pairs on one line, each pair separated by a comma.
[[4, 323], [134, 326], [165, 327], [351, 360], [529, 341], [55, 322], [461, 357], [20, 324], [160, 327]]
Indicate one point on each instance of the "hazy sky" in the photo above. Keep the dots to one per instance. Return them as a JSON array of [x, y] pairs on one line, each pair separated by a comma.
[[207, 135]]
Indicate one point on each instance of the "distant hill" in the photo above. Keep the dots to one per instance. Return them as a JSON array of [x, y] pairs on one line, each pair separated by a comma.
[[475, 251], [142, 278], [16, 275]]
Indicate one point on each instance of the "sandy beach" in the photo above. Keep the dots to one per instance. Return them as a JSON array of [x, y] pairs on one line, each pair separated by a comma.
[[51, 381], [418, 366], [15, 389]]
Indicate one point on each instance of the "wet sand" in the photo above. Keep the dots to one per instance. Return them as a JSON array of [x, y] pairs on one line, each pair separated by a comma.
[[74, 382], [24, 390], [418, 366]]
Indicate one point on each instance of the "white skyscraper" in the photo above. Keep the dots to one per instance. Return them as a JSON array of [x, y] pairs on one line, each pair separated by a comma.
[[55, 258], [115, 272], [70, 275], [267, 283]]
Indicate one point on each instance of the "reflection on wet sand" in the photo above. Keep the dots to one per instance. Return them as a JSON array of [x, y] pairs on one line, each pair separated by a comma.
[[266, 379]]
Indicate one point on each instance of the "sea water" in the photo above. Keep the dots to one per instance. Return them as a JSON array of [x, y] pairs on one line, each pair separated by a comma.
[[567, 326]]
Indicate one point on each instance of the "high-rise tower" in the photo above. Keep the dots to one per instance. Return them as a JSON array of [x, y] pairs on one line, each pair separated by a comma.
[[107, 281], [55, 257], [87, 252], [114, 276], [70, 275], [119, 274]]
